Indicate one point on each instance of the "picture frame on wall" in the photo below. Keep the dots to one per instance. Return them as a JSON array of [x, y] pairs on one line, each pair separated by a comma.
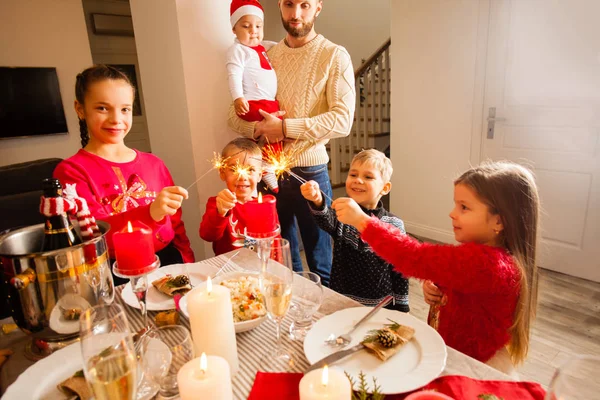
[[129, 70]]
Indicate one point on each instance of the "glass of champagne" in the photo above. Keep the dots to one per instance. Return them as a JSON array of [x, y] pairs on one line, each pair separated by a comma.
[[109, 358], [276, 282], [576, 379]]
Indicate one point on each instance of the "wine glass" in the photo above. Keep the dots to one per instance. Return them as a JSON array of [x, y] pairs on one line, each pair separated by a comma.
[[109, 358], [307, 298], [576, 379], [276, 282], [165, 351]]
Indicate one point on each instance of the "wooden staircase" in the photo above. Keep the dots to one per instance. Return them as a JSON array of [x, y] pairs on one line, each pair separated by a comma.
[[371, 127]]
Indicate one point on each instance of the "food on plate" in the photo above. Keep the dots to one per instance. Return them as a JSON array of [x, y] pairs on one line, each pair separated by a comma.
[[172, 285], [76, 385], [71, 314], [167, 318], [246, 298], [387, 341]]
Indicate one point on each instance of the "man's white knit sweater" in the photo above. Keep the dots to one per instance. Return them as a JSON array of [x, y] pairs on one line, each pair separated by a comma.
[[316, 89]]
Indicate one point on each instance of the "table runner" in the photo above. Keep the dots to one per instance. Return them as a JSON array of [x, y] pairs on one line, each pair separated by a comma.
[[251, 344]]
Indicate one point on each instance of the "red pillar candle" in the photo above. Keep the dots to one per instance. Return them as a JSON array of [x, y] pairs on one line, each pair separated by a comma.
[[261, 215], [134, 249]]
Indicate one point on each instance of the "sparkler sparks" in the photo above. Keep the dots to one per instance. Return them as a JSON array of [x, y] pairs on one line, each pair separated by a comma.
[[281, 162], [218, 162]]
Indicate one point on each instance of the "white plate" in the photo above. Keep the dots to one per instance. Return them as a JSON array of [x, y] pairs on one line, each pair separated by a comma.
[[41, 379], [416, 364], [157, 301], [239, 326]]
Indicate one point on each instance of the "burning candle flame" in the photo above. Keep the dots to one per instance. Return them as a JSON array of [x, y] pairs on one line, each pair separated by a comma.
[[129, 227], [325, 376], [203, 363], [209, 285], [260, 197]]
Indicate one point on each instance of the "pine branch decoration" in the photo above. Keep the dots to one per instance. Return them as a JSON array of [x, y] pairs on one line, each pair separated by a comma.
[[362, 392]]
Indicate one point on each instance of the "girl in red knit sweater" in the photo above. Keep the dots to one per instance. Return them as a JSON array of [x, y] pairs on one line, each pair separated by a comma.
[[121, 184], [490, 279]]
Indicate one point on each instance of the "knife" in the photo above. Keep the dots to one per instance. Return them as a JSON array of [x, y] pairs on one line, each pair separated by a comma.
[[338, 355]]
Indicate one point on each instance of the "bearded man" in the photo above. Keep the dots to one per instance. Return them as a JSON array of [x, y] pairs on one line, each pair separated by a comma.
[[316, 91]]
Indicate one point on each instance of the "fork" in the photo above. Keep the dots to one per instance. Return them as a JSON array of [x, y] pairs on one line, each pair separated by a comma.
[[345, 338]]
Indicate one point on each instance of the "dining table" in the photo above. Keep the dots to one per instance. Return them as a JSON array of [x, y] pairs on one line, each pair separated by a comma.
[[250, 344]]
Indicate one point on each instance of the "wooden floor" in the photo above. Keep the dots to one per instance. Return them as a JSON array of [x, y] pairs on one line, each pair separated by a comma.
[[568, 323]]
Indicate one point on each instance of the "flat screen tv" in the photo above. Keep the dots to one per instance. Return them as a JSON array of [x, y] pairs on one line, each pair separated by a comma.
[[30, 103]]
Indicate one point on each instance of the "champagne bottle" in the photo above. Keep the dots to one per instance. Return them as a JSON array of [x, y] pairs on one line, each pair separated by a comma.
[[58, 230]]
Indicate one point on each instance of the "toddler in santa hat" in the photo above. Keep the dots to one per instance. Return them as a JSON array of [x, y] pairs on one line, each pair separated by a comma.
[[252, 80]]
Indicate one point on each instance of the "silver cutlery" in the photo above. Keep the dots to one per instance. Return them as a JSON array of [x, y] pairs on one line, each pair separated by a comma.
[[345, 339], [338, 355]]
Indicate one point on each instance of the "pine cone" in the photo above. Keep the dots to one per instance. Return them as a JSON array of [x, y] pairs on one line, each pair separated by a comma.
[[387, 338], [180, 280]]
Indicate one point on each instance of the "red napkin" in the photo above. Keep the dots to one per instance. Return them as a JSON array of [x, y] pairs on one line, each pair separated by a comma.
[[278, 386], [462, 387]]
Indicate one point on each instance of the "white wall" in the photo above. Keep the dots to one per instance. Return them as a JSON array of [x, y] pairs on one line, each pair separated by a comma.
[[360, 26], [119, 50], [182, 67], [41, 33], [434, 58]]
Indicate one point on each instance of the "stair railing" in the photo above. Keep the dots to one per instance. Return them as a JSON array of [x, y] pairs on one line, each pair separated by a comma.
[[371, 115]]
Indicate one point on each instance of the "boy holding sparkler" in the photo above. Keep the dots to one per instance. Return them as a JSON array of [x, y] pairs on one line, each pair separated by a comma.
[[225, 217], [252, 80], [357, 272]]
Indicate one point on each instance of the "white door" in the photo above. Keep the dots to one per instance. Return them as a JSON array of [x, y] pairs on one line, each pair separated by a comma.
[[543, 79]]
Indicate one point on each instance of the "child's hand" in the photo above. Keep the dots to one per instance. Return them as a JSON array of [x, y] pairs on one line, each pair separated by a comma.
[[349, 212], [433, 295], [241, 106], [311, 192], [225, 201], [167, 202]]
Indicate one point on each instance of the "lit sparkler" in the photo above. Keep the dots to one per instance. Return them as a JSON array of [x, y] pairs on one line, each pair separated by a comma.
[[218, 162], [281, 162]]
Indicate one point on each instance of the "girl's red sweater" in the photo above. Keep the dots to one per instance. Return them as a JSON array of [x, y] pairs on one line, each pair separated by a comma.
[[482, 284]]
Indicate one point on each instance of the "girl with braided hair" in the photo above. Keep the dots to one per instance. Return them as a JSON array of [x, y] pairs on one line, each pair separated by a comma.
[[121, 184]]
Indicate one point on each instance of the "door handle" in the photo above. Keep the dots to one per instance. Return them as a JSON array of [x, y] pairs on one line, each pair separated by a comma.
[[492, 119]]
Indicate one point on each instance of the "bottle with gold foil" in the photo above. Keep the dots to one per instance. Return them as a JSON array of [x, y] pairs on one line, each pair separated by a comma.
[[58, 230]]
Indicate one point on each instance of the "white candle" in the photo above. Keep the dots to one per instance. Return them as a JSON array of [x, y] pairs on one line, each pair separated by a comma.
[[211, 320], [205, 378], [325, 384]]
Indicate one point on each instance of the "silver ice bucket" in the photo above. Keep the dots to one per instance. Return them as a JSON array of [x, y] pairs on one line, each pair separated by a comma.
[[48, 290]]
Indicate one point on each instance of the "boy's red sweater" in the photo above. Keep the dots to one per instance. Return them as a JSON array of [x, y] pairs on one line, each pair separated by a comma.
[[482, 284]]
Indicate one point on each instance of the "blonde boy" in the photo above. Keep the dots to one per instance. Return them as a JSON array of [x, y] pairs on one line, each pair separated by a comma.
[[356, 271]]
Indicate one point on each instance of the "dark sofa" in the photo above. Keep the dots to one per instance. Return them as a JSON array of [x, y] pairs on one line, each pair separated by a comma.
[[20, 191]]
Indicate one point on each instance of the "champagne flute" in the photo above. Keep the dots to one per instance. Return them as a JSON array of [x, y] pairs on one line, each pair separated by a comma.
[[276, 282], [109, 359], [576, 379]]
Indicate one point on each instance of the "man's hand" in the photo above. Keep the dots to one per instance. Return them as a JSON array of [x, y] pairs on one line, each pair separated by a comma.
[[349, 212], [167, 202], [241, 106], [311, 192], [226, 200], [270, 128]]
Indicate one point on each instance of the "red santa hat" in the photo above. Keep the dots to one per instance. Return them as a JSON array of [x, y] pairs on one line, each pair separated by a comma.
[[239, 8]]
